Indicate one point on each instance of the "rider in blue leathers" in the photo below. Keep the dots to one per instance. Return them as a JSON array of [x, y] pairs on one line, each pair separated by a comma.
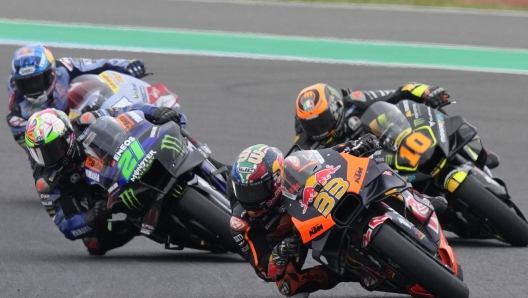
[[38, 82], [78, 208]]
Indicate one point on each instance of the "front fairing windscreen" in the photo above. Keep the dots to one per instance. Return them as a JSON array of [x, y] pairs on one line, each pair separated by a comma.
[[387, 122], [102, 140], [298, 166], [88, 90]]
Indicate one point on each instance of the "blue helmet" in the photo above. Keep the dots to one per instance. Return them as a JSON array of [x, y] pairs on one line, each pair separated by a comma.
[[33, 73]]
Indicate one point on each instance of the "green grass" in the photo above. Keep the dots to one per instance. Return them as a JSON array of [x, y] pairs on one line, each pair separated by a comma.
[[479, 4]]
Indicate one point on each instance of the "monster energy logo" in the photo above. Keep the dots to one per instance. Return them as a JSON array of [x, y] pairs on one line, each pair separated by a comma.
[[388, 159], [176, 191], [129, 198], [418, 122], [172, 143]]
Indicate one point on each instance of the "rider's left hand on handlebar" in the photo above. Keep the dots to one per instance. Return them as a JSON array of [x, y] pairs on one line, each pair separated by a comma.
[[164, 114], [435, 96], [135, 68], [363, 146]]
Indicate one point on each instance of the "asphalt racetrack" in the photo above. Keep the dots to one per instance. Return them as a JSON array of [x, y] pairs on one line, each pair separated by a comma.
[[234, 103]]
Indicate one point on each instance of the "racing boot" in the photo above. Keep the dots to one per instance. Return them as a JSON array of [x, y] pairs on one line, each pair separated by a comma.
[[492, 160], [306, 281], [93, 246], [116, 235]]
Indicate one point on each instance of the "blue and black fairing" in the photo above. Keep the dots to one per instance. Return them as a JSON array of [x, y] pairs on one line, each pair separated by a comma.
[[133, 150]]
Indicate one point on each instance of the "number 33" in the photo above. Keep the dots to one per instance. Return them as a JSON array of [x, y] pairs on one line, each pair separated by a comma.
[[251, 156]]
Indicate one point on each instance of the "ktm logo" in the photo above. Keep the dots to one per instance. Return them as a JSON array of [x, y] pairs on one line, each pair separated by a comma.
[[357, 175], [315, 229]]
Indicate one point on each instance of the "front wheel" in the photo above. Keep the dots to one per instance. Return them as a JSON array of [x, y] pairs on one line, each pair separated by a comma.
[[416, 265], [511, 227]]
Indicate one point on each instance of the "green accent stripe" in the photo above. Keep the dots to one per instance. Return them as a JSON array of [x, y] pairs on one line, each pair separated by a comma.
[[137, 149], [266, 47]]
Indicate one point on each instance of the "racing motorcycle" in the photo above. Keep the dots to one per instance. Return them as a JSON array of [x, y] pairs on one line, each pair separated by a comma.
[[361, 219], [443, 155], [111, 89], [158, 176]]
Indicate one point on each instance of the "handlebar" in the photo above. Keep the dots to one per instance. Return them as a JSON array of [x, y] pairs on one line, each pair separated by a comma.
[[145, 74], [440, 107]]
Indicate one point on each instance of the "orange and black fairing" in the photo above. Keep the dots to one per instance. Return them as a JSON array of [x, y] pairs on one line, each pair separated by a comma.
[[336, 200], [319, 110], [317, 183]]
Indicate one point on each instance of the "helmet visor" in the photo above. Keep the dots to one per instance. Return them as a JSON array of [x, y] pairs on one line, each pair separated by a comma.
[[35, 85], [50, 154], [252, 196], [320, 126]]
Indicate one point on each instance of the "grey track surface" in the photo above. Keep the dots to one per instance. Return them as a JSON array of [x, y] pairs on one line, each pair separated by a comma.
[[415, 26], [234, 103]]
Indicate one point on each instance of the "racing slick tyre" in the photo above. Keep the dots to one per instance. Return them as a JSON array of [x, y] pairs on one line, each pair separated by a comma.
[[511, 227], [417, 265], [205, 212]]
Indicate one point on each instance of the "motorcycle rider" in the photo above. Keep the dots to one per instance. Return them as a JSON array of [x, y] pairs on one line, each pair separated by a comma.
[[325, 117], [38, 82], [77, 208], [262, 227]]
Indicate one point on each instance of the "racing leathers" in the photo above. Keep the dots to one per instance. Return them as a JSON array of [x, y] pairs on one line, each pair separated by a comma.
[[257, 236], [67, 69], [68, 197], [355, 103]]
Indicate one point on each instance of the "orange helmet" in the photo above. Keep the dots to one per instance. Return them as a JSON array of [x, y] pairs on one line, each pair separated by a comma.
[[319, 110]]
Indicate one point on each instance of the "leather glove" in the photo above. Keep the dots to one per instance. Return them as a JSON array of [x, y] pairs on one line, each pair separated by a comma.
[[288, 249], [435, 96], [164, 114], [363, 146], [135, 68], [97, 215]]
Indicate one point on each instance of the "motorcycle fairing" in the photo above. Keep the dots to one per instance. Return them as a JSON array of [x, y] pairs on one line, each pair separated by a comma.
[[325, 185], [111, 89], [108, 139]]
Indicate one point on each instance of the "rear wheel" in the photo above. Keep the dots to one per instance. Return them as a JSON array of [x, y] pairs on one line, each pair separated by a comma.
[[416, 265], [511, 227]]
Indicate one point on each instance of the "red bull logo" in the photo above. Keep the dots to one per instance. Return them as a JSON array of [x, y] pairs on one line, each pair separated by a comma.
[[321, 177]]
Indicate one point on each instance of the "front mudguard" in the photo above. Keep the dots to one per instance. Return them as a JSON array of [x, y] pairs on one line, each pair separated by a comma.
[[445, 252], [404, 225], [456, 176]]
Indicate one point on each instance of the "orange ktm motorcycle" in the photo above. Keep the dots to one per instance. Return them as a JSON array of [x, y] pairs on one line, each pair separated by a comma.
[[361, 219]]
